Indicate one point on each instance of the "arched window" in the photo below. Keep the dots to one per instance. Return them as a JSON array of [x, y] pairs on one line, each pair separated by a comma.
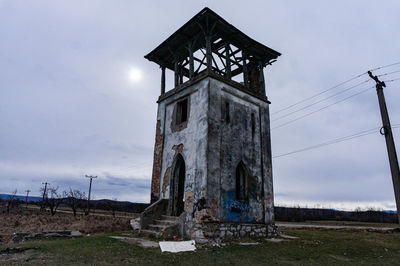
[[241, 182]]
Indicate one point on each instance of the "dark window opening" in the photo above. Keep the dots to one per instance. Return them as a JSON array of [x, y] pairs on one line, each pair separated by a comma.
[[253, 125], [182, 111], [241, 182], [227, 114]]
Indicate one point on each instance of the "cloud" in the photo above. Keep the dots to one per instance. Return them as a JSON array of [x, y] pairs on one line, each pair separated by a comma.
[[68, 109]]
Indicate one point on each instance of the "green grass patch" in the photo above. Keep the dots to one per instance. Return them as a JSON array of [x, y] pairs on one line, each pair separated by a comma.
[[317, 247]]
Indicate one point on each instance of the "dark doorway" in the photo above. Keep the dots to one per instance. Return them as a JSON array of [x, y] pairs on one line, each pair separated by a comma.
[[241, 182], [179, 186]]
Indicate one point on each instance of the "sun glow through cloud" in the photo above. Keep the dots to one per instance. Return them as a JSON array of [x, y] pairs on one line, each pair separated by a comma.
[[135, 74]]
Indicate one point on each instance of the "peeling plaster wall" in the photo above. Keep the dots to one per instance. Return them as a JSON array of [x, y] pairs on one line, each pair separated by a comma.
[[230, 143], [155, 180], [190, 141], [212, 149]]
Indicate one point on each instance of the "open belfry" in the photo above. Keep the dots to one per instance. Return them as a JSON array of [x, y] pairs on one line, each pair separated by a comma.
[[212, 172]]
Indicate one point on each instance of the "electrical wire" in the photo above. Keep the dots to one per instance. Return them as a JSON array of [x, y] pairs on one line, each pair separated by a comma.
[[323, 108], [338, 85], [391, 80], [322, 92], [385, 66], [390, 73], [337, 140], [333, 95], [395, 126], [322, 100]]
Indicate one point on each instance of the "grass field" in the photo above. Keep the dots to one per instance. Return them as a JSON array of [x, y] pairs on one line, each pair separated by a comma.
[[314, 247], [343, 223]]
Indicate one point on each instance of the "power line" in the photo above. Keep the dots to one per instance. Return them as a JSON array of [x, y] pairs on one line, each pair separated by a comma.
[[338, 85], [322, 92], [391, 80], [90, 190], [389, 140], [27, 195], [334, 141], [389, 73], [385, 66], [324, 99], [43, 205], [320, 109]]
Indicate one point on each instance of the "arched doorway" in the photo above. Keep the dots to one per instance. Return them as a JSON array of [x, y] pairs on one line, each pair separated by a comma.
[[241, 181], [179, 186]]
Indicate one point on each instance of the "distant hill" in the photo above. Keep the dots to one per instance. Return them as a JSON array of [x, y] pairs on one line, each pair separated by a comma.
[[23, 198], [104, 204], [125, 206], [289, 214]]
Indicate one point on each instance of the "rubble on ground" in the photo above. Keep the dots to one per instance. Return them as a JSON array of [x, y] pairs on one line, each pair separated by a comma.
[[23, 236]]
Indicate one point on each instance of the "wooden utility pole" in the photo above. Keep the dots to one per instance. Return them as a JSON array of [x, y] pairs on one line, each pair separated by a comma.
[[44, 194], [90, 189], [27, 194], [386, 130]]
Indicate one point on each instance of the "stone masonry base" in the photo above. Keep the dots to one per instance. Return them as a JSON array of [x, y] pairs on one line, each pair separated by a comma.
[[221, 232]]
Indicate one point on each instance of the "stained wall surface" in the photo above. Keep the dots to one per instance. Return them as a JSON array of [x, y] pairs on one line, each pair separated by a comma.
[[190, 141], [212, 147], [241, 136]]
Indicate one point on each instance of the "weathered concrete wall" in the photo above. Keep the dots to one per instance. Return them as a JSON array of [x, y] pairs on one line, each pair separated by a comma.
[[231, 142], [212, 147], [155, 180], [267, 165], [190, 141]]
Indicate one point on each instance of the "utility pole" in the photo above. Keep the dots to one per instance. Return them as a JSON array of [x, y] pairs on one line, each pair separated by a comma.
[[386, 130], [90, 189], [44, 194], [27, 194]]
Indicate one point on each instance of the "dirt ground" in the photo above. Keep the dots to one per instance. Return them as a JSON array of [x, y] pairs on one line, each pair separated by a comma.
[[24, 220]]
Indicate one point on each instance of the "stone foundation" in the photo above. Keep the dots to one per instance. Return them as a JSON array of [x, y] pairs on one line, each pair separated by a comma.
[[221, 232]]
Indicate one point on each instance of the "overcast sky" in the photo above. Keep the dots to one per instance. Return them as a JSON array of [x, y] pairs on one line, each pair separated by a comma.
[[77, 97]]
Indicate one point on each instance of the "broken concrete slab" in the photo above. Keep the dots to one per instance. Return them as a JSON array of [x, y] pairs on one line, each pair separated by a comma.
[[138, 241], [287, 236], [275, 240], [8, 251], [75, 233], [177, 246], [135, 223], [23, 236], [248, 243]]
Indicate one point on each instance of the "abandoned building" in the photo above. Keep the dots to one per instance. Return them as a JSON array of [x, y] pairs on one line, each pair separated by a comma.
[[212, 171]]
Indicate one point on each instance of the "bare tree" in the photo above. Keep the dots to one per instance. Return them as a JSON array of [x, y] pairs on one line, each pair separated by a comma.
[[12, 201], [54, 200], [114, 205], [74, 199]]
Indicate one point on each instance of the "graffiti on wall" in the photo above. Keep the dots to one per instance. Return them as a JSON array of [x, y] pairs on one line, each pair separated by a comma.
[[239, 211]]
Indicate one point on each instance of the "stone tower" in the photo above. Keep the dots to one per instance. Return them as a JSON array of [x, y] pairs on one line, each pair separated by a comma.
[[212, 155]]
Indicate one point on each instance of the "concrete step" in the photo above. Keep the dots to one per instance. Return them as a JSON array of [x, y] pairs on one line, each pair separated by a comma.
[[169, 218], [158, 227], [165, 222], [150, 232]]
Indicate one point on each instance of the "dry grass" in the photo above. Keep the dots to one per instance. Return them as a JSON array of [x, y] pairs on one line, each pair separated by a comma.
[[24, 220]]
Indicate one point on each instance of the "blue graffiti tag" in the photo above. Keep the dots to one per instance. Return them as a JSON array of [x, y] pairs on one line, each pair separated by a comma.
[[235, 211]]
